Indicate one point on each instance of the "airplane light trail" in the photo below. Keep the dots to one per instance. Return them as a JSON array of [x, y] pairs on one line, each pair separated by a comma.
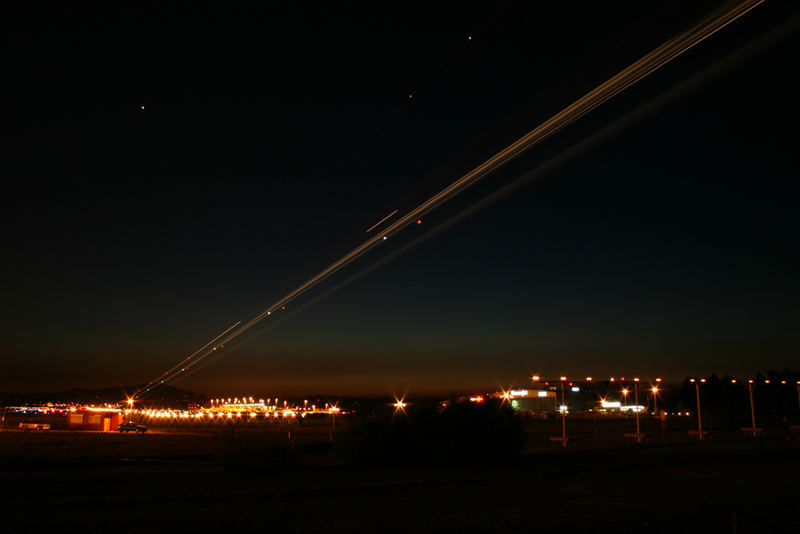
[[635, 72], [184, 361], [379, 222]]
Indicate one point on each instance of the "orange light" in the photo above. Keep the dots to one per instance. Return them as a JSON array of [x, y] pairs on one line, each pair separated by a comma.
[[563, 378], [588, 378], [535, 378], [654, 390]]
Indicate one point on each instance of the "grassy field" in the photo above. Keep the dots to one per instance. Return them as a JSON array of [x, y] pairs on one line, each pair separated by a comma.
[[217, 480]]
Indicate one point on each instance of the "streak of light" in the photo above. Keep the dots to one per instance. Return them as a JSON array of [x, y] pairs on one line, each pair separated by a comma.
[[587, 103], [379, 222], [192, 355]]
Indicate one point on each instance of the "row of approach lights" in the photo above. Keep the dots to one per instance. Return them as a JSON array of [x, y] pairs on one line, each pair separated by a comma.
[[563, 380]]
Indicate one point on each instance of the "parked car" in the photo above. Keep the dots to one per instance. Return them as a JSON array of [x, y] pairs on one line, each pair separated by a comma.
[[130, 426]]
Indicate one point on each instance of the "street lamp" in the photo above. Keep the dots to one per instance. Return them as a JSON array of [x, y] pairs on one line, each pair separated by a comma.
[[798, 391], [333, 410], [130, 408], [654, 390], [563, 414], [699, 417], [752, 407], [753, 431], [636, 404]]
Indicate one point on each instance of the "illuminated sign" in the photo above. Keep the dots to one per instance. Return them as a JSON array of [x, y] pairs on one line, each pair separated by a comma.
[[541, 393], [518, 392], [610, 404]]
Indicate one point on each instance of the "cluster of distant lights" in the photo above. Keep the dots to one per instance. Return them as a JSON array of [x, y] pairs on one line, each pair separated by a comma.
[[508, 395], [239, 408], [60, 409]]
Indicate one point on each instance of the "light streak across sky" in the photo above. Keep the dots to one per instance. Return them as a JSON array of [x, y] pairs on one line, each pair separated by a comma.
[[580, 107], [371, 228]]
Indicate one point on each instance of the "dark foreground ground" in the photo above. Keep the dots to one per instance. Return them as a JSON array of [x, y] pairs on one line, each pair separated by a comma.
[[178, 480]]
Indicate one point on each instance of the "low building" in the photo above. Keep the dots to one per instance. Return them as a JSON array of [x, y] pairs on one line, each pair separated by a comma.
[[532, 400], [88, 418]]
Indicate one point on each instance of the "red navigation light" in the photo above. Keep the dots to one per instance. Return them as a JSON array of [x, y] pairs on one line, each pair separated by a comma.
[[419, 221], [283, 307]]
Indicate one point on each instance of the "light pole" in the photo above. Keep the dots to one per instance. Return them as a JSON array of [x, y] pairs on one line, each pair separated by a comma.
[[753, 431], [636, 404], [654, 390], [752, 406], [334, 409], [563, 411], [798, 392], [699, 417]]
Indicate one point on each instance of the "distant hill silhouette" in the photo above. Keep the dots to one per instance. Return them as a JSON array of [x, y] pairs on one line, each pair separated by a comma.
[[165, 396]]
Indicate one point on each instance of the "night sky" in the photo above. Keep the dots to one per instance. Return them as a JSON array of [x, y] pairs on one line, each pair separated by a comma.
[[173, 169]]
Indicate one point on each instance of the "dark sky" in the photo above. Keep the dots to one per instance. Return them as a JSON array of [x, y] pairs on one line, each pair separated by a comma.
[[273, 136]]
